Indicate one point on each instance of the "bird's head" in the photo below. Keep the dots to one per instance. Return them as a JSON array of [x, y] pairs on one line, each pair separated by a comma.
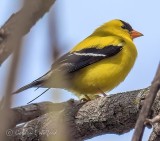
[[118, 28]]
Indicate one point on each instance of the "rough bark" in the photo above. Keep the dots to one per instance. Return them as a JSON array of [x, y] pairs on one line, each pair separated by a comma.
[[115, 114]]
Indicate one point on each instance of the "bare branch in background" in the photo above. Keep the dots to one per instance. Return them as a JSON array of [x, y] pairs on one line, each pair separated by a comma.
[[139, 127], [31, 12], [11, 34], [53, 34], [5, 106]]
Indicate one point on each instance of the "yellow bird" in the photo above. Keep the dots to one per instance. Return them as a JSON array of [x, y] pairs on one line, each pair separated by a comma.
[[96, 65]]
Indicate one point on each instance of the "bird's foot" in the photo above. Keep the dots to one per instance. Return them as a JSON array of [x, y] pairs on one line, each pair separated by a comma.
[[102, 92], [84, 98]]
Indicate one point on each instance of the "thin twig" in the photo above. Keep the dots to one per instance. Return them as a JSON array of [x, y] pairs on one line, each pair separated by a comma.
[[139, 127], [53, 34]]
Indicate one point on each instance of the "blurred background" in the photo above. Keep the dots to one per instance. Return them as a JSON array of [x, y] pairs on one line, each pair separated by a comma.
[[67, 23]]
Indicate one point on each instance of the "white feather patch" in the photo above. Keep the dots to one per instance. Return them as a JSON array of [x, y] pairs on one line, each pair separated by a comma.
[[89, 54], [121, 44]]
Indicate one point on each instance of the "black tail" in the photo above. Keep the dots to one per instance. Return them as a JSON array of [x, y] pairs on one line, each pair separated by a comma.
[[35, 83]]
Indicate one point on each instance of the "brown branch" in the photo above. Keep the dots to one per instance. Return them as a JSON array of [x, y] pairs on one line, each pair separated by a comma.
[[10, 38], [31, 12], [5, 107], [155, 135], [53, 34], [114, 114], [31, 111], [139, 127]]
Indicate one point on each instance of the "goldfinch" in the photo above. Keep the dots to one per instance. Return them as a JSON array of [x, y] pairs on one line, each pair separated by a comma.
[[96, 65]]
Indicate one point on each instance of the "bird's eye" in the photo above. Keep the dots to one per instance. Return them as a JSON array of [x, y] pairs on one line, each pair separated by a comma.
[[124, 27]]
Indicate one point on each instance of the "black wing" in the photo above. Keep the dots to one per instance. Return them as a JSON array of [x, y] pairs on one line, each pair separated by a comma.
[[71, 62]]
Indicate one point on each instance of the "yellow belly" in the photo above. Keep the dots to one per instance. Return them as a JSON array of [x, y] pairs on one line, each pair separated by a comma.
[[105, 74]]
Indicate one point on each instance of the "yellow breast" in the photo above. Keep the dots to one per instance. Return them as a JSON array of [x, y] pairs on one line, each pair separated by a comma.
[[105, 74]]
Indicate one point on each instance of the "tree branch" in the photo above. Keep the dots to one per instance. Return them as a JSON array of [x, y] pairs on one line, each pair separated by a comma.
[[31, 12], [155, 135], [114, 114], [139, 127]]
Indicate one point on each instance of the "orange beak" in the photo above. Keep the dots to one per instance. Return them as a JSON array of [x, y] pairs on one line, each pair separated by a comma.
[[135, 34]]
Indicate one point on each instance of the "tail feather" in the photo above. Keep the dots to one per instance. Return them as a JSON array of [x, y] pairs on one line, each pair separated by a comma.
[[35, 83]]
